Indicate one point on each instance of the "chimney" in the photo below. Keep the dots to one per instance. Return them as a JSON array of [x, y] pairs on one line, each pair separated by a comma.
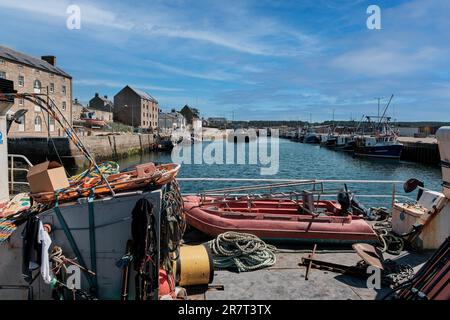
[[96, 94], [50, 59], [76, 101]]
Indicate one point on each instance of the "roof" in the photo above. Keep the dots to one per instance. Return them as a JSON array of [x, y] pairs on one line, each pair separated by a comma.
[[144, 95], [107, 104], [12, 55], [194, 111]]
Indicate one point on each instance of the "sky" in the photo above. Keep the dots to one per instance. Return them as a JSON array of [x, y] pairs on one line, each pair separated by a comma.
[[249, 59]]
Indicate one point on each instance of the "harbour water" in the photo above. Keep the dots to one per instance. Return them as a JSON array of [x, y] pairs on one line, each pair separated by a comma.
[[305, 161]]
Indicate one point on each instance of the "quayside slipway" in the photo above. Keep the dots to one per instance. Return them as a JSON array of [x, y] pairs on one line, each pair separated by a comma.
[[123, 233]]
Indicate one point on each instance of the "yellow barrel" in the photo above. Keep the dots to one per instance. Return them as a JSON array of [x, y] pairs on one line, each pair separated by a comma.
[[194, 266]]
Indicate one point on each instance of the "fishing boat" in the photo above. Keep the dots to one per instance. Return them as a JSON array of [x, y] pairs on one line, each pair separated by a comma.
[[94, 225], [345, 142], [382, 141], [379, 146], [90, 119], [278, 217], [311, 136]]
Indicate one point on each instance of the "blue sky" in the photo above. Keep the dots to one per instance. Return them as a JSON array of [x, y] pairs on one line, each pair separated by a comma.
[[256, 59]]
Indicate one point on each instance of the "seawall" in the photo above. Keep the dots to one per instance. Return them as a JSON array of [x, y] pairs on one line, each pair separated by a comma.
[[421, 150], [106, 147]]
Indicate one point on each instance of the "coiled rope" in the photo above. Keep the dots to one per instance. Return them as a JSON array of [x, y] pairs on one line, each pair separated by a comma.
[[242, 252], [173, 224], [392, 243]]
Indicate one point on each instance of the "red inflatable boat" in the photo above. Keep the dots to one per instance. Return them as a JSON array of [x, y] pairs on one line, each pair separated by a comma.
[[277, 219]]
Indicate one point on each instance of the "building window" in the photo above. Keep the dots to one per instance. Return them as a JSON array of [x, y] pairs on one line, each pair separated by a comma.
[[52, 124], [37, 108], [38, 124], [21, 102], [2, 75], [64, 90], [52, 75], [64, 105], [2, 61], [37, 86], [21, 121], [21, 81], [52, 87]]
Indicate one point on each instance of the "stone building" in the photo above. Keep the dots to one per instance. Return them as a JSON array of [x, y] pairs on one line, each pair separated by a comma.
[[171, 121], [34, 75], [77, 109], [192, 116], [136, 108], [103, 107]]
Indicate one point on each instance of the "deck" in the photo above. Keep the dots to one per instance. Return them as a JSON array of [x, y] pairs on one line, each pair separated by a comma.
[[286, 279]]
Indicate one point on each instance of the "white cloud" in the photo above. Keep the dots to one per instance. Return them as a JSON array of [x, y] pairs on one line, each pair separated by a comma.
[[113, 84], [382, 61], [210, 75]]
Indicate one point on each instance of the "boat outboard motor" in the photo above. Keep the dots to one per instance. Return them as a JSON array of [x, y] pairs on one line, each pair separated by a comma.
[[360, 208], [411, 185]]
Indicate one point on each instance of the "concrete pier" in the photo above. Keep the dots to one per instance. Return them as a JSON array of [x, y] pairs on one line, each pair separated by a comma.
[[422, 150], [105, 147]]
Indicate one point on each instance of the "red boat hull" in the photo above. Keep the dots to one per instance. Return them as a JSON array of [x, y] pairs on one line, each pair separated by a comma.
[[276, 220]]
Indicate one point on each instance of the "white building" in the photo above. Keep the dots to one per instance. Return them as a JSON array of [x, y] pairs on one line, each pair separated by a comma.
[[171, 121]]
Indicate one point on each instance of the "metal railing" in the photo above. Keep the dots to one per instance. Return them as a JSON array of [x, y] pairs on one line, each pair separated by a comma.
[[269, 186], [13, 169]]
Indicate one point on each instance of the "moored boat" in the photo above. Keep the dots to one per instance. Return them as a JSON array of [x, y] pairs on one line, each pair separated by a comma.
[[277, 219], [381, 146]]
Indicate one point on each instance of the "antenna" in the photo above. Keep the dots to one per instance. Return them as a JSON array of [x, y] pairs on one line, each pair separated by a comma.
[[385, 109]]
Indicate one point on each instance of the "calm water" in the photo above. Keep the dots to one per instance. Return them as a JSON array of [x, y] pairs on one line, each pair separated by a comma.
[[304, 161]]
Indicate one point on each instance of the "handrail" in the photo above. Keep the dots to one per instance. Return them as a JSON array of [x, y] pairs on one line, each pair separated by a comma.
[[12, 169], [280, 183], [289, 180]]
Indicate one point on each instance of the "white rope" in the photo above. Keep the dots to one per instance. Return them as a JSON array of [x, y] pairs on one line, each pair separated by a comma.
[[242, 252]]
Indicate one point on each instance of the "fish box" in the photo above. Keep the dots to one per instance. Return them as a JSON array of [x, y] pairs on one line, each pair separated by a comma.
[[47, 176]]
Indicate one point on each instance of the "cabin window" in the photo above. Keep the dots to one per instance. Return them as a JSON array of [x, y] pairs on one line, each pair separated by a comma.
[[21, 81], [38, 124]]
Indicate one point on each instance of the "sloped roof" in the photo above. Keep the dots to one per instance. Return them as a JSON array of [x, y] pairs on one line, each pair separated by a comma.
[[12, 55], [144, 95]]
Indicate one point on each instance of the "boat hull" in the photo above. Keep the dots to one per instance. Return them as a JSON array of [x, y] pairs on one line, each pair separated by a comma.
[[270, 220], [389, 151], [112, 231], [312, 139]]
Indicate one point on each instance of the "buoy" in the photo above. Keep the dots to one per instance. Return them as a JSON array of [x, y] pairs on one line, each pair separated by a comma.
[[194, 266], [166, 285]]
